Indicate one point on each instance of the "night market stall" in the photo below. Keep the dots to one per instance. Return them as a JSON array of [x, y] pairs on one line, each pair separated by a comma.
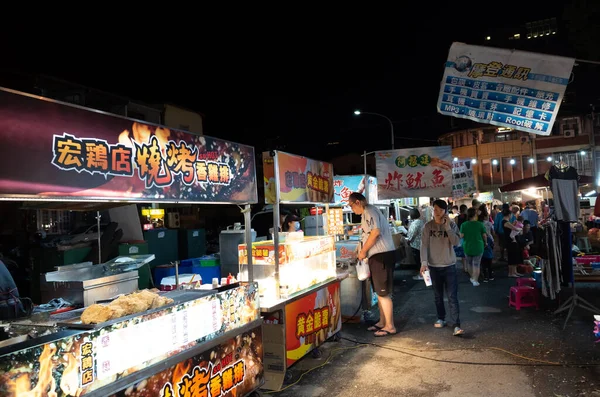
[[184, 342], [298, 283], [557, 265]]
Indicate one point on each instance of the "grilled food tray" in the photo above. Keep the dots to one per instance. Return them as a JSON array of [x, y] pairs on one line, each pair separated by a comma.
[[72, 319]]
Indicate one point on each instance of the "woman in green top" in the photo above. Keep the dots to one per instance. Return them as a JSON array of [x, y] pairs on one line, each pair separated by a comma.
[[474, 241]]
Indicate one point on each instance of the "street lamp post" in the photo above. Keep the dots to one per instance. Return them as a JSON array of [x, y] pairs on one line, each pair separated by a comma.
[[358, 113]]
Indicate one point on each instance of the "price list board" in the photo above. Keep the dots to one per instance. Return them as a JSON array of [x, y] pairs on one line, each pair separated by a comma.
[[335, 219], [136, 344]]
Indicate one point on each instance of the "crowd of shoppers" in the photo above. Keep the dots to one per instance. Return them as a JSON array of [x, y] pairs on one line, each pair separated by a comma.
[[471, 234]]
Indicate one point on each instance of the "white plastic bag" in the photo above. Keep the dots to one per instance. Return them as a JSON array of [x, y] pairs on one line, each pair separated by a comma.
[[363, 271]]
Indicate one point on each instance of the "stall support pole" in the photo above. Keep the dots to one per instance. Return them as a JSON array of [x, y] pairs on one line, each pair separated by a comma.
[[276, 224], [248, 236], [98, 216]]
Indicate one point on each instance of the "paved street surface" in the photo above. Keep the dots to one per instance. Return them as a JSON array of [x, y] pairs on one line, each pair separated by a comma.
[[423, 361]]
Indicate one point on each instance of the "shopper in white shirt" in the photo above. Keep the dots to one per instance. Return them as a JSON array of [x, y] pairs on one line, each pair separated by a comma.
[[378, 247]]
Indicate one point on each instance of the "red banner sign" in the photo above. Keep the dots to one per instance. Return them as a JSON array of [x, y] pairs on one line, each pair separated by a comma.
[[315, 318], [58, 151]]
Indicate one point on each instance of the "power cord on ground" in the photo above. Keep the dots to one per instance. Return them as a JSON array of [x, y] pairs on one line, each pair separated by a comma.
[[404, 350], [541, 363]]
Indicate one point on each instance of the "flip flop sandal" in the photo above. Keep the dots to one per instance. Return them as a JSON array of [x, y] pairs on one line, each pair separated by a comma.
[[385, 333], [374, 328]]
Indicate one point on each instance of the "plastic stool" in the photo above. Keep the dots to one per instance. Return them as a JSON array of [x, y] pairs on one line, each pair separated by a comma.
[[526, 281], [523, 296], [584, 244]]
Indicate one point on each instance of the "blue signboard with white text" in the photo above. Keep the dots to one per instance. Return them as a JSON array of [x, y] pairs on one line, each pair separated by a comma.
[[506, 88]]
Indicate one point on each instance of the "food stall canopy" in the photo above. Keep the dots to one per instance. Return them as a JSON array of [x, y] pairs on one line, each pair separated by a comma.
[[539, 181], [62, 152]]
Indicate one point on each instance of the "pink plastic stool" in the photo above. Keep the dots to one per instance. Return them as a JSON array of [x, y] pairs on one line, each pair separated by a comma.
[[523, 296], [526, 281]]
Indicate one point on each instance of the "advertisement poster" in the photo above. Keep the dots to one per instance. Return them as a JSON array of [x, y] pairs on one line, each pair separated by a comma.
[[317, 317], [485, 197], [300, 179], [77, 154], [345, 185], [463, 179], [346, 250], [417, 172], [79, 364], [231, 369], [506, 88]]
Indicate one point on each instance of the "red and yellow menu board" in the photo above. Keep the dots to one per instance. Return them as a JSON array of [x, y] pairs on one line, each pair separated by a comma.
[[300, 179], [312, 320]]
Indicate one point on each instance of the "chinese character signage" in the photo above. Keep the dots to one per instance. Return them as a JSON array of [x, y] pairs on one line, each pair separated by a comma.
[[300, 179], [62, 152], [463, 181], [231, 369], [92, 360], [316, 317], [418, 172], [507, 88]]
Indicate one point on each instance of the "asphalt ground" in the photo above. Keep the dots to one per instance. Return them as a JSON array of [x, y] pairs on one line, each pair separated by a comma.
[[504, 352]]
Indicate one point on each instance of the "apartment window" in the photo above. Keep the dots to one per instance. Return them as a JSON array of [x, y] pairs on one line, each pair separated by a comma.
[[496, 172], [527, 167], [570, 126], [508, 171], [543, 164], [541, 28], [506, 136], [486, 172], [582, 161]]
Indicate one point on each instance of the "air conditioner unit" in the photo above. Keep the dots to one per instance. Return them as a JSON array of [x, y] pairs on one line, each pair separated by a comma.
[[569, 133], [524, 139]]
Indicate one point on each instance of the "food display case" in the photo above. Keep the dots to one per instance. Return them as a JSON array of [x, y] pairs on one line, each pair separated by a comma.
[[303, 263], [299, 272]]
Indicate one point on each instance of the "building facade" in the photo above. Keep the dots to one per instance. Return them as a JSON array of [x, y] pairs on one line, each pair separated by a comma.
[[504, 155], [169, 115]]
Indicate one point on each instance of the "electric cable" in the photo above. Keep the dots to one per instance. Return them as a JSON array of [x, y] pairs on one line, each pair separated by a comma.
[[404, 350], [540, 363]]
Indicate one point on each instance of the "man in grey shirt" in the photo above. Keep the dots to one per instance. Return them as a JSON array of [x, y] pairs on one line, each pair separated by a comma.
[[378, 246], [440, 236]]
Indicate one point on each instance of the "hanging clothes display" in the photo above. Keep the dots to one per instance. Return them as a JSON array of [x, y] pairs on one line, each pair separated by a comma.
[[551, 263], [564, 183]]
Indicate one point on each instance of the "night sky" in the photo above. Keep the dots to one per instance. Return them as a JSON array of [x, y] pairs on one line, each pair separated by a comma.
[[291, 81]]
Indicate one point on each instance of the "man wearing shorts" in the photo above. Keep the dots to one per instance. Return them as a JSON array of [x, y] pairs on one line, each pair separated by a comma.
[[378, 246]]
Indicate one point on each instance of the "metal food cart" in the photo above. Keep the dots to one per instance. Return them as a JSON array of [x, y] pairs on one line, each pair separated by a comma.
[[296, 320]]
